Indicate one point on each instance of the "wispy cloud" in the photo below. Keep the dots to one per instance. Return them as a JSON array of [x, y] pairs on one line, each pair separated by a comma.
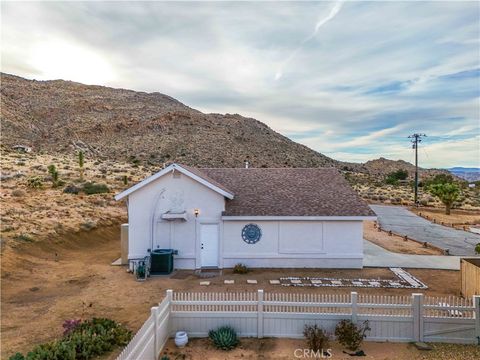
[[322, 21]]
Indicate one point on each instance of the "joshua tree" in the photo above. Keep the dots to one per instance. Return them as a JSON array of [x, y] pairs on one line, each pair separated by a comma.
[[447, 193], [52, 170], [80, 163]]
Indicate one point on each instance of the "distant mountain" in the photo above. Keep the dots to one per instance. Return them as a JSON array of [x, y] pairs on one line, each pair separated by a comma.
[[469, 174], [384, 166]]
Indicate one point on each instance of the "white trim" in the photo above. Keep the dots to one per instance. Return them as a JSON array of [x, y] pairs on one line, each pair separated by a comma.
[[296, 218], [326, 255], [169, 168]]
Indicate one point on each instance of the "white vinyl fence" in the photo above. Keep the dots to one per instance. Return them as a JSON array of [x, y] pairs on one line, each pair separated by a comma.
[[258, 314]]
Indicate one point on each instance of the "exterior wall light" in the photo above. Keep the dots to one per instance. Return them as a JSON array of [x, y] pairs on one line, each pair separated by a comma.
[[196, 212]]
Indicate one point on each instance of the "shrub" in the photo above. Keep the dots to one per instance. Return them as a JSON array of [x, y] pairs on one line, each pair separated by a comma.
[[35, 182], [17, 356], [317, 338], [18, 193], [93, 188], [24, 237], [240, 269], [71, 189], [70, 325], [477, 249], [224, 338], [350, 335], [84, 341]]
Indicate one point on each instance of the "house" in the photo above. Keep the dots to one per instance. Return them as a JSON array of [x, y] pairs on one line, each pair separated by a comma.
[[261, 217]]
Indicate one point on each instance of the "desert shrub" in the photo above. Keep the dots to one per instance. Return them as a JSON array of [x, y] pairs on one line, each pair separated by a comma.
[[24, 237], [317, 338], [224, 338], [350, 335], [240, 269], [83, 341], [35, 182], [71, 189], [17, 356], [93, 188], [438, 179], [393, 177], [70, 325], [477, 249], [18, 193]]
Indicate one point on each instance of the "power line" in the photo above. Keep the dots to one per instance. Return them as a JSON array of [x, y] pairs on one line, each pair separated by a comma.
[[416, 139]]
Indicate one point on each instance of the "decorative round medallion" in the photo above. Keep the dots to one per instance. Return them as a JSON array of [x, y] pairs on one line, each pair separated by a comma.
[[251, 233]]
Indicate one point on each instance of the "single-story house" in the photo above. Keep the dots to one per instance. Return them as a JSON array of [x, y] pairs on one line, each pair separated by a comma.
[[261, 217]]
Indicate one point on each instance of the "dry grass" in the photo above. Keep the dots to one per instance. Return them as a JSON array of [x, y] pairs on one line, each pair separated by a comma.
[[30, 214], [457, 216], [374, 190]]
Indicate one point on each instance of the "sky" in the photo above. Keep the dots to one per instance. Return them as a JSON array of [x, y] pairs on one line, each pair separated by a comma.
[[349, 79]]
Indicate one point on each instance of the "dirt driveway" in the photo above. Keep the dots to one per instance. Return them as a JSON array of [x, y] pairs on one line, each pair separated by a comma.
[[40, 289]]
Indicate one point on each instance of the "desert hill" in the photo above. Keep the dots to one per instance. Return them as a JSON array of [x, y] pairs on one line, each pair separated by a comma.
[[123, 125]]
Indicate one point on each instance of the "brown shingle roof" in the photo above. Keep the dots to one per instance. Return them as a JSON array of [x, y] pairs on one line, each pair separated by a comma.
[[204, 176], [288, 192]]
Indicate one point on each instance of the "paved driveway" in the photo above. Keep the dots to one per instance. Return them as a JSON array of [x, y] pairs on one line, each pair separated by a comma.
[[376, 256], [404, 222]]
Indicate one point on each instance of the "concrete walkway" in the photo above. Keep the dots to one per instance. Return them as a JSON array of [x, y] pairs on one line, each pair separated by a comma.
[[376, 256], [403, 222]]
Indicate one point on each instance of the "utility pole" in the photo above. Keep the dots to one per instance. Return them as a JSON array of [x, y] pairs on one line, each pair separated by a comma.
[[416, 139]]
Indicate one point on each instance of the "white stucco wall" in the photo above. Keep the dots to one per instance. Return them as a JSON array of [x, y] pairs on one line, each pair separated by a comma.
[[170, 193], [285, 244]]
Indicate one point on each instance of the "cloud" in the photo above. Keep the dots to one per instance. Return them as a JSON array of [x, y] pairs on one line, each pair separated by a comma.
[[359, 76], [322, 21]]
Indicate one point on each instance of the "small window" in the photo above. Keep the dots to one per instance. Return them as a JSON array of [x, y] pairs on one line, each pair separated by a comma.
[[177, 174]]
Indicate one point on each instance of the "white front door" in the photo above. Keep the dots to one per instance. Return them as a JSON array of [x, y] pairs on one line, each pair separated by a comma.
[[209, 245]]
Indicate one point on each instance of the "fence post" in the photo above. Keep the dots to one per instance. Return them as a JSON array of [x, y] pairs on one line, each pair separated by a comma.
[[354, 299], [417, 313], [169, 306], [154, 311], [260, 314], [476, 302], [169, 296]]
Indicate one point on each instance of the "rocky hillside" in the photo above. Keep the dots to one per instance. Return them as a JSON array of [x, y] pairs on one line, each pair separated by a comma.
[[61, 116], [384, 166]]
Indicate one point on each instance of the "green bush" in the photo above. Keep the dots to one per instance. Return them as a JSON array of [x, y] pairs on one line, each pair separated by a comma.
[[240, 269], [88, 340], [350, 335], [92, 188], [393, 177], [17, 356], [224, 338], [71, 189], [317, 338], [477, 249], [35, 182]]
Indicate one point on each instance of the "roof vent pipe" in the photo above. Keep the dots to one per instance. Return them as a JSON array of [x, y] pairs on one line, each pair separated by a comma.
[[246, 164]]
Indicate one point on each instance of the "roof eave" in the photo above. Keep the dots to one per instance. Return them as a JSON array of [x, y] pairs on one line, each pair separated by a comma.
[[165, 171]]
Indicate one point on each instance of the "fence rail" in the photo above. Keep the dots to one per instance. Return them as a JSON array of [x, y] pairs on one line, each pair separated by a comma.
[[258, 314]]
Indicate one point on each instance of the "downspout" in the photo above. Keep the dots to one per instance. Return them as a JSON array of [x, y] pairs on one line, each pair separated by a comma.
[[154, 217]]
